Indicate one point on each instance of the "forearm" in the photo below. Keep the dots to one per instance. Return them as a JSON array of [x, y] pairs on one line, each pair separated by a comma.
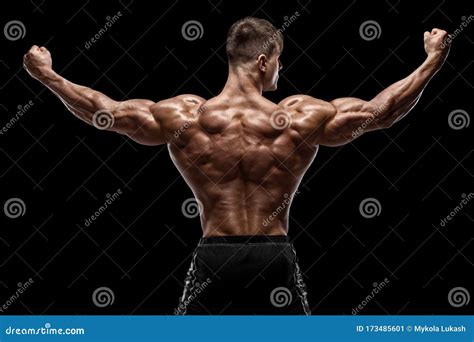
[[397, 100], [133, 118], [82, 101]]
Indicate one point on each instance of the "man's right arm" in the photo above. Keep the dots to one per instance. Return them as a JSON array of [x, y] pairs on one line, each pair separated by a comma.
[[348, 118], [144, 121]]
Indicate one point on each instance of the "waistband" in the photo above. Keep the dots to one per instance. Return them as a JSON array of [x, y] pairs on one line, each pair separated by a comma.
[[244, 239]]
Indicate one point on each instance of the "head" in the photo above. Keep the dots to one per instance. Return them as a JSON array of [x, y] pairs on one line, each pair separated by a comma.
[[255, 45]]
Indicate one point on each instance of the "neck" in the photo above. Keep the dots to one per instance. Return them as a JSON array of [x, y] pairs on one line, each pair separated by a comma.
[[243, 82]]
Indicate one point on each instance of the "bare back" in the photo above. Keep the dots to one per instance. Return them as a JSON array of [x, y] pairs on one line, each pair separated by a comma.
[[242, 155], [242, 159]]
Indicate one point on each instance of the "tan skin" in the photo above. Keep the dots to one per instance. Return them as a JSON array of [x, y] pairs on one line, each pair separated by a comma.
[[240, 160]]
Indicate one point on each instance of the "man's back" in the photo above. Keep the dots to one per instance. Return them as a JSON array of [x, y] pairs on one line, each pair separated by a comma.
[[243, 157]]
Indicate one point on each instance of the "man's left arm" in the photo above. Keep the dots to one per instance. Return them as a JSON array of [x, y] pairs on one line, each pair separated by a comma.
[[344, 119]]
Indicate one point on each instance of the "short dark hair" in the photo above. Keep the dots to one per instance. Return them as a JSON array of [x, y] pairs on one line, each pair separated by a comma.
[[249, 37]]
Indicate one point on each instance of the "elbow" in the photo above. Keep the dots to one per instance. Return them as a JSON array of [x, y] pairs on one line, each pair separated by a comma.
[[97, 101], [396, 116]]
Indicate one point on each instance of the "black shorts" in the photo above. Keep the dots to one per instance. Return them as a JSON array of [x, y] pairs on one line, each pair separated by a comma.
[[244, 275]]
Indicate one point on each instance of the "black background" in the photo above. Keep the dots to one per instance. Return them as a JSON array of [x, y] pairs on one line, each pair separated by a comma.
[[140, 247]]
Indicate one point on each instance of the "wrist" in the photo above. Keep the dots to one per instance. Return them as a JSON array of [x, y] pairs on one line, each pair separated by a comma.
[[47, 75], [436, 58]]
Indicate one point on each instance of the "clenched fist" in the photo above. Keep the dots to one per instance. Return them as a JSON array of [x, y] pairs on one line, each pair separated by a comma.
[[37, 61], [437, 41]]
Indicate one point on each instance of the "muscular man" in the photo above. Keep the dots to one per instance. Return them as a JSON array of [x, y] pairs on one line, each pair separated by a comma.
[[243, 157]]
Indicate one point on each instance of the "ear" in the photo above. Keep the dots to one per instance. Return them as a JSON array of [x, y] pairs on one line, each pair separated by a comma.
[[262, 62]]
